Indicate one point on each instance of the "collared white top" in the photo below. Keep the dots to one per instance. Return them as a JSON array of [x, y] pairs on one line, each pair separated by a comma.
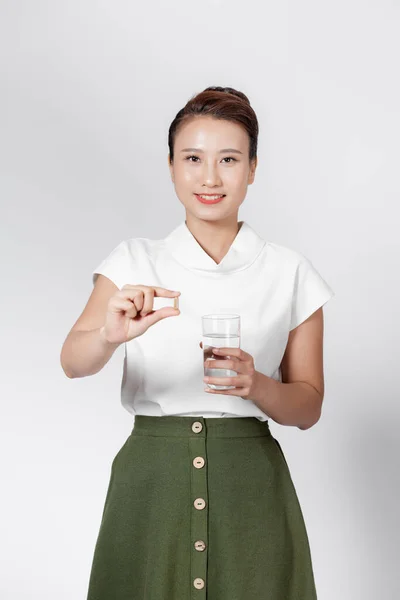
[[273, 288]]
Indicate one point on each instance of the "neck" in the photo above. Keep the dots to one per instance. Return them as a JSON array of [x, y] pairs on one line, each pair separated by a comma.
[[215, 237]]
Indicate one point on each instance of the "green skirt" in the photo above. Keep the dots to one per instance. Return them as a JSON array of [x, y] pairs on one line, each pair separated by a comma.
[[201, 508]]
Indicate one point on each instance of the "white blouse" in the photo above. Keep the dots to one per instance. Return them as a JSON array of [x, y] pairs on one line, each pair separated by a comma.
[[272, 288]]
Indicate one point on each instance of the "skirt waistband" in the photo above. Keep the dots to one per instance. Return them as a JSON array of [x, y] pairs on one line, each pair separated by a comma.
[[179, 426]]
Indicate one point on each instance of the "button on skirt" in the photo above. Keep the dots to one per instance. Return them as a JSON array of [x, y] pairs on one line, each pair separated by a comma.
[[201, 508]]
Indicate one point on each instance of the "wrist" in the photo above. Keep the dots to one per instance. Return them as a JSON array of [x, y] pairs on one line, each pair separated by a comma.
[[105, 341], [260, 387], [263, 392]]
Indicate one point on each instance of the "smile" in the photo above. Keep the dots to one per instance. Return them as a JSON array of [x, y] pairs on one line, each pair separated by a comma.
[[208, 199]]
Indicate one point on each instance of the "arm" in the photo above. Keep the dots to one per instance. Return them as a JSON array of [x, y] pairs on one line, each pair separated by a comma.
[[85, 351], [297, 401]]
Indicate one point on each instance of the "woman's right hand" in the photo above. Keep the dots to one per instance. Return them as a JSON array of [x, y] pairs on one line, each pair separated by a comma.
[[130, 312]]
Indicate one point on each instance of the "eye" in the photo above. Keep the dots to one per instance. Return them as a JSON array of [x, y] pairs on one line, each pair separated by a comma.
[[230, 158]]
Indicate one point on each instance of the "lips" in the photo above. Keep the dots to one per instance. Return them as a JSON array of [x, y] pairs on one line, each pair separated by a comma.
[[211, 201]]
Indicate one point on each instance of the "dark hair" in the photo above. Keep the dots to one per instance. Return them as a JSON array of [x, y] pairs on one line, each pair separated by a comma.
[[222, 103]]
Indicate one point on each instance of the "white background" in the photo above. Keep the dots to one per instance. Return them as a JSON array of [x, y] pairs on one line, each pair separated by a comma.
[[88, 91]]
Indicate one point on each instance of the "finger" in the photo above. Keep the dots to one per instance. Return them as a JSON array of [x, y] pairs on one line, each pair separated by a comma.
[[162, 313], [148, 296], [237, 352], [232, 392], [232, 365], [138, 300], [162, 292], [135, 295], [236, 381], [158, 291], [148, 302], [119, 304], [132, 311]]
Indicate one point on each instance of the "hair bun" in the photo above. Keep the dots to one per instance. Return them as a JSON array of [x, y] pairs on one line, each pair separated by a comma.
[[220, 103], [228, 90]]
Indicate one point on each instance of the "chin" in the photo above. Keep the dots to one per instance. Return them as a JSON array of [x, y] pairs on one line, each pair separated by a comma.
[[207, 217], [209, 213]]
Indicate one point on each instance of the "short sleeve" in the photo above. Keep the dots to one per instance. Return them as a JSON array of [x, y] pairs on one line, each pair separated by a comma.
[[310, 292], [115, 266]]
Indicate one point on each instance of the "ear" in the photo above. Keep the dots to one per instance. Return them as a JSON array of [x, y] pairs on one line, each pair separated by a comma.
[[252, 173], [171, 168]]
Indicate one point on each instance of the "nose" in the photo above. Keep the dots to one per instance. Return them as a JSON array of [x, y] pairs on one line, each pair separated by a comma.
[[211, 176]]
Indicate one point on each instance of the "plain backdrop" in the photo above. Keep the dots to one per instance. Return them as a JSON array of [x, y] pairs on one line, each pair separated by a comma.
[[88, 91]]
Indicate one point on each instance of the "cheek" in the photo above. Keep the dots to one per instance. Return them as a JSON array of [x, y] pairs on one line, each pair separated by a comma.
[[236, 179], [187, 177], [183, 176]]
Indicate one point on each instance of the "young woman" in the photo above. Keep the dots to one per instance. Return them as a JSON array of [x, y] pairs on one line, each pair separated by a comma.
[[200, 502]]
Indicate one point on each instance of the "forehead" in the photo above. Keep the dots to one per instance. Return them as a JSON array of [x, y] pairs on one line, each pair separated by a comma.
[[209, 133]]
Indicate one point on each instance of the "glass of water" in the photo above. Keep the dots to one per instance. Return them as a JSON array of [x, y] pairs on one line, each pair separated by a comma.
[[219, 331]]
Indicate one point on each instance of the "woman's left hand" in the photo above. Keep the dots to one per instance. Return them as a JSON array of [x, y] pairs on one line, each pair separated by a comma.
[[245, 381]]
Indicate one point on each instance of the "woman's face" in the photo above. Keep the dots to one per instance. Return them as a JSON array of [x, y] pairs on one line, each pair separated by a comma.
[[212, 157]]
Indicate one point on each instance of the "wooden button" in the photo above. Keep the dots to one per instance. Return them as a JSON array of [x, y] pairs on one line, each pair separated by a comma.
[[200, 545], [197, 427], [198, 583], [198, 462], [199, 503]]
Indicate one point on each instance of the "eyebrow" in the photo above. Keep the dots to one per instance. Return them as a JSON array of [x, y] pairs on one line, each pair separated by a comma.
[[200, 150]]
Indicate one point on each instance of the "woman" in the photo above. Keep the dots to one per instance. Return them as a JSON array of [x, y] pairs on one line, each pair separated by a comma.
[[200, 502]]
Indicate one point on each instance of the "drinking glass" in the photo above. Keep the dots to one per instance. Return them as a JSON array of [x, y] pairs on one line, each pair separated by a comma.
[[219, 331]]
